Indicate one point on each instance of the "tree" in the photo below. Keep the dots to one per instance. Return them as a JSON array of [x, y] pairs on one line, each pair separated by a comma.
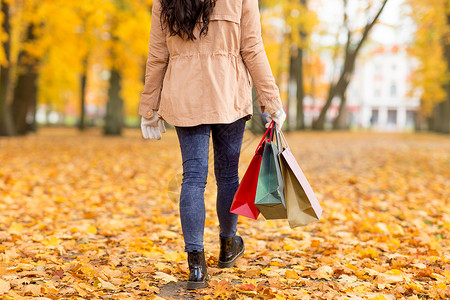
[[297, 58], [6, 122], [299, 23], [127, 52], [352, 49], [431, 47], [114, 108], [25, 92]]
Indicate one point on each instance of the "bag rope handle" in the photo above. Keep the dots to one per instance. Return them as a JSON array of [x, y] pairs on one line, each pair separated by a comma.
[[264, 136]]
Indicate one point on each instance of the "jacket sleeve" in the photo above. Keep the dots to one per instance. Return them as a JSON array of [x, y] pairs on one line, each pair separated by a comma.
[[157, 61], [255, 58]]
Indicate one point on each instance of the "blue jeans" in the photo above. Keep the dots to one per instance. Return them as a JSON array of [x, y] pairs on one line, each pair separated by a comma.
[[194, 144]]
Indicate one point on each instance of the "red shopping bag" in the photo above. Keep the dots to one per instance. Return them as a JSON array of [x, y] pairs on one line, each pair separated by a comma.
[[244, 199]]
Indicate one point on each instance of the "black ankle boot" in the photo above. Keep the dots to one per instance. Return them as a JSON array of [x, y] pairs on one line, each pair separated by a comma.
[[197, 270], [230, 250]]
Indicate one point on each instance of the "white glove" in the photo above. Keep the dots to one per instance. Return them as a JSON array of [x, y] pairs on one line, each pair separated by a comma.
[[278, 117], [152, 128]]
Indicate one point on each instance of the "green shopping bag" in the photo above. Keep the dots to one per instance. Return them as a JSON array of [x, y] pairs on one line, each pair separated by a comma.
[[269, 192]]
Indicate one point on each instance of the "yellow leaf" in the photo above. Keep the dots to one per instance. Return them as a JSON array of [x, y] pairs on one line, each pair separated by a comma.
[[80, 291], [323, 272], [92, 229], [439, 285], [4, 286], [165, 277], [32, 289], [291, 274], [60, 199], [15, 228], [396, 229], [369, 252], [252, 273], [107, 285], [395, 272], [416, 286], [360, 289], [277, 264], [381, 227], [173, 256], [386, 279], [379, 297], [446, 273], [53, 241]]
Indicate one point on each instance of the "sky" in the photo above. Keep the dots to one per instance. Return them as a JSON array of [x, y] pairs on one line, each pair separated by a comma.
[[394, 26], [394, 14]]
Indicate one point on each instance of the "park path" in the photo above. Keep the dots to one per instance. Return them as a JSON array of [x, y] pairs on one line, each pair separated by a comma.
[[86, 216]]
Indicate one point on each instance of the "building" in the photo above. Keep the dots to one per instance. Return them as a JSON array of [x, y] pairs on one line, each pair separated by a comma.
[[380, 94]]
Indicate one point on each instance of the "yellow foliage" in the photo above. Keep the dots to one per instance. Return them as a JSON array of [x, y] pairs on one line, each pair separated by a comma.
[[103, 33], [432, 33], [281, 42], [108, 34]]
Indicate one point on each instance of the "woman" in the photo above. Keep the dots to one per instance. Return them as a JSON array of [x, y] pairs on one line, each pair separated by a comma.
[[197, 79]]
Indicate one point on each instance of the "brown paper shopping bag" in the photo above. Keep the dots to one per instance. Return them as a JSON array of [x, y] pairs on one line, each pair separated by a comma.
[[301, 203]]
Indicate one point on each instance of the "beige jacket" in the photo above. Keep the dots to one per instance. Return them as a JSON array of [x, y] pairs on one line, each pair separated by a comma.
[[207, 81]]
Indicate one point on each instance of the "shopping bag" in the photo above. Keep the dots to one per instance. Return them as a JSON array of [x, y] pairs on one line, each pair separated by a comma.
[[269, 198], [301, 203], [244, 199]]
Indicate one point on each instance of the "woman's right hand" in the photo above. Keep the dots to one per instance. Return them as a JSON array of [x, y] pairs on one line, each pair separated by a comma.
[[278, 117], [151, 128]]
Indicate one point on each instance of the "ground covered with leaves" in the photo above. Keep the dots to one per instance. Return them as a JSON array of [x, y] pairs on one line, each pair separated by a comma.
[[88, 217]]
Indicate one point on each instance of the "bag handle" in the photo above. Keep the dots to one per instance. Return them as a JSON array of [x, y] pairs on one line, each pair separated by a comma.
[[274, 125], [270, 128], [273, 131], [283, 139], [276, 133]]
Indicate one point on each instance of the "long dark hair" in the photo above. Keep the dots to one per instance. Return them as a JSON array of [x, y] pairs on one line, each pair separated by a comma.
[[180, 16]]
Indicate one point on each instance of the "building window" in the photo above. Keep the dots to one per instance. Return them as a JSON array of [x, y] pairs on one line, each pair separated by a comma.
[[393, 90], [392, 117], [377, 74], [374, 118], [410, 118], [377, 69], [377, 92]]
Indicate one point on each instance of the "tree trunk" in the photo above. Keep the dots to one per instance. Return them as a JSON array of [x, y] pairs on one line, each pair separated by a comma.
[[300, 124], [25, 94], [114, 108], [446, 116], [24, 101], [443, 111], [33, 124], [82, 124], [291, 81], [300, 90], [341, 85], [6, 122], [341, 121], [436, 119], [440, 119], [338, 89]]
